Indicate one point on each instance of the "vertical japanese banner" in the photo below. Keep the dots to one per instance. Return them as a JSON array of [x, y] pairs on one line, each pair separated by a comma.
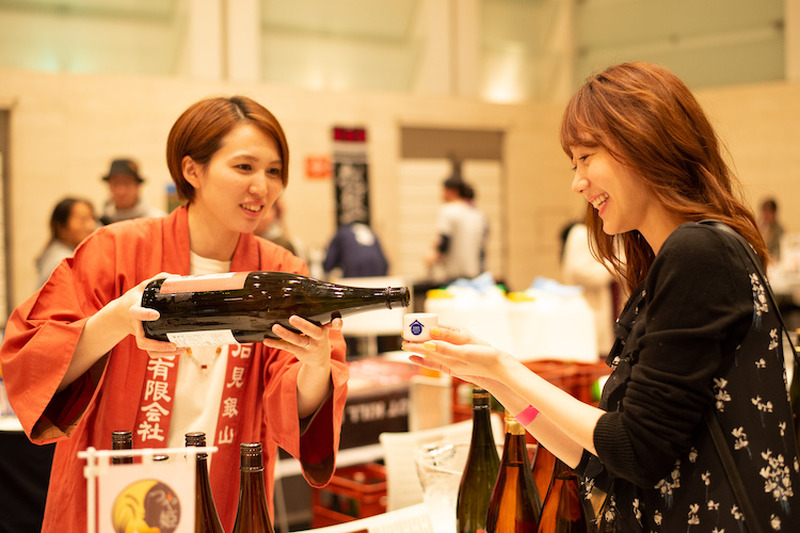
[[351, 175]]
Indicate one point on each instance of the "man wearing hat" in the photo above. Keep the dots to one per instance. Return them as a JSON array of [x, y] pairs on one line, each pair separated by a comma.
[[123, 182]]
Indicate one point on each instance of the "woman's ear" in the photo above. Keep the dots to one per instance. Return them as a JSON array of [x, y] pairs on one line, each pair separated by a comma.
[[191, 171]]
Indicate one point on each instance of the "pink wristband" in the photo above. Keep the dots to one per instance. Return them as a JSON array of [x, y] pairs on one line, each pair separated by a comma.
[[527, 415]]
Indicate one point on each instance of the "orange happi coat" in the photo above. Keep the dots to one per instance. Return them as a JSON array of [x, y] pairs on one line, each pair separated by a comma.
[[42, 333]]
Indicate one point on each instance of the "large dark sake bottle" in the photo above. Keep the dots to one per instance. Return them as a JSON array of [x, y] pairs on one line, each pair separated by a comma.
[[252, 515], [243, 306], [480, 471], [122, 440], [206, 517], [515, 506], [563, 510]]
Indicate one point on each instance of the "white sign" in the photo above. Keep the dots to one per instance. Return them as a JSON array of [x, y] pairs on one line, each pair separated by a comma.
[[143, 497]]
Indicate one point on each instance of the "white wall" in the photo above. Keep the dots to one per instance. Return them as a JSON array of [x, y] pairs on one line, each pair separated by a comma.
[[66, 128]]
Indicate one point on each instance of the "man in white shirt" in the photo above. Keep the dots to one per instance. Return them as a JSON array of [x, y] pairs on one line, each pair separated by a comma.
[[462, 230]]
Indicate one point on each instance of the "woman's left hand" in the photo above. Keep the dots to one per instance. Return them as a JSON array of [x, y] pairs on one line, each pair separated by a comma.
[[312, 346], [459, 353]]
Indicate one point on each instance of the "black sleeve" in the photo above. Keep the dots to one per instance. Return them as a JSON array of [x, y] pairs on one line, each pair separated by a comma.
[[698, 308], [444, 244]]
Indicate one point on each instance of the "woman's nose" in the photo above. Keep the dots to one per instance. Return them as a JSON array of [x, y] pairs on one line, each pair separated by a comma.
[[579, 183], [258, 185]]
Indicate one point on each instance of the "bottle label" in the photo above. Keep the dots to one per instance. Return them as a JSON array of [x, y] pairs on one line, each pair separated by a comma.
[[214, 337], [208, 282]]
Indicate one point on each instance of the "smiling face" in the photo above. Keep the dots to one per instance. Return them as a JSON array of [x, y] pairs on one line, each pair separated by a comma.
[[620, 196], [232, 192]]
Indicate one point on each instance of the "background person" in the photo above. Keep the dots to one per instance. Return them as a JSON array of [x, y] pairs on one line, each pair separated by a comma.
[[273, 227], [579, 267], [462, 232], [124, 182], [356, 251], [77, 365], [697, 337], [72, 221], [770, 227]]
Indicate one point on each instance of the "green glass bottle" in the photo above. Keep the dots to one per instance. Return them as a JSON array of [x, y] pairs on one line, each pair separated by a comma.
[[243, 306], [480, 471]]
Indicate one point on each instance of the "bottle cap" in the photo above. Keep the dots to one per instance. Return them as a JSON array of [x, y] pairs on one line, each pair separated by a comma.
[[480, 397], [197, 438], [121, 440], [252, 459]]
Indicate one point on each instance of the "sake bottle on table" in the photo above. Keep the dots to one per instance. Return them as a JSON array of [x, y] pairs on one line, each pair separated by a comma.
[[252, 515], [243, 306], [206, 517], [794, 388], [544, 465], [515, 506], [480, 471], [563, 510], [121, 440]]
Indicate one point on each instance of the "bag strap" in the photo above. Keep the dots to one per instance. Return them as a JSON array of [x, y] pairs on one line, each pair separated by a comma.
[[760, 270], [714, 428], [737, 485]]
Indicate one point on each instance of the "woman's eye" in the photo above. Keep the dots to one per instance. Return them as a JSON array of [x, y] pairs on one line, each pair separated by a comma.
[[244, 166], [274, 171]]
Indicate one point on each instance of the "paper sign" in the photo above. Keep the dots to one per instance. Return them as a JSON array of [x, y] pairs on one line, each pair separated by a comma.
[[151, 497]]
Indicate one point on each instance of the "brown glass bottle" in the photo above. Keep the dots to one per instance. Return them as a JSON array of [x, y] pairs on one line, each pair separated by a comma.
[[480, 471], [252, 515], [563, 510], [543, 468], [206, 517], [121, 440], [794, 388], [515, 506], [243, 306]]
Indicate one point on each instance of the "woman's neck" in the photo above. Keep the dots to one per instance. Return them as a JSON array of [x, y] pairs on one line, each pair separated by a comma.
[[210, 240], [661, 223]]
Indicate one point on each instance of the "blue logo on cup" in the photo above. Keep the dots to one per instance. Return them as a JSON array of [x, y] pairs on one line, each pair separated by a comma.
[[416, 327]]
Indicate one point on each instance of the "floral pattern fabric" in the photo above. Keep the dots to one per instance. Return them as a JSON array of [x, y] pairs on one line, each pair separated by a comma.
[[747, 392]]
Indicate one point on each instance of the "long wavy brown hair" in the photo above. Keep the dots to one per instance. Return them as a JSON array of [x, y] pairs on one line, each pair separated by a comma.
[[649, 121]]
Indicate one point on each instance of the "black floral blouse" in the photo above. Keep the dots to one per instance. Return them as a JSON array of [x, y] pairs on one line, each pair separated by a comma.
[[699, 334]]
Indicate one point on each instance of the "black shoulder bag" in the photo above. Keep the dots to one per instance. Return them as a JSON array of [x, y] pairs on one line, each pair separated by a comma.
[[739, 490]]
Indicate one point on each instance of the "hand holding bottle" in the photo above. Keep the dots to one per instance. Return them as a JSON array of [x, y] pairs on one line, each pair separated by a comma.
[[119, 318], [312, 347], [132, 301]]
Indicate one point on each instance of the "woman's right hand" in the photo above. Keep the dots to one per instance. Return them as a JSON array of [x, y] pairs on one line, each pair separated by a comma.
[[110, 325], [136, 314]]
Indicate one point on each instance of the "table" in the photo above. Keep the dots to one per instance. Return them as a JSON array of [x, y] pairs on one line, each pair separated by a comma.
[[413, 519], [24, 475]]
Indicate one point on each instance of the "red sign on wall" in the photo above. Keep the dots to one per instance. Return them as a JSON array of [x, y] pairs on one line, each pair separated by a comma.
[[318, 167]]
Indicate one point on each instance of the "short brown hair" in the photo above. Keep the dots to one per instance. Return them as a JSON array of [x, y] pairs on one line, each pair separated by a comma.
[[199, 130]]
